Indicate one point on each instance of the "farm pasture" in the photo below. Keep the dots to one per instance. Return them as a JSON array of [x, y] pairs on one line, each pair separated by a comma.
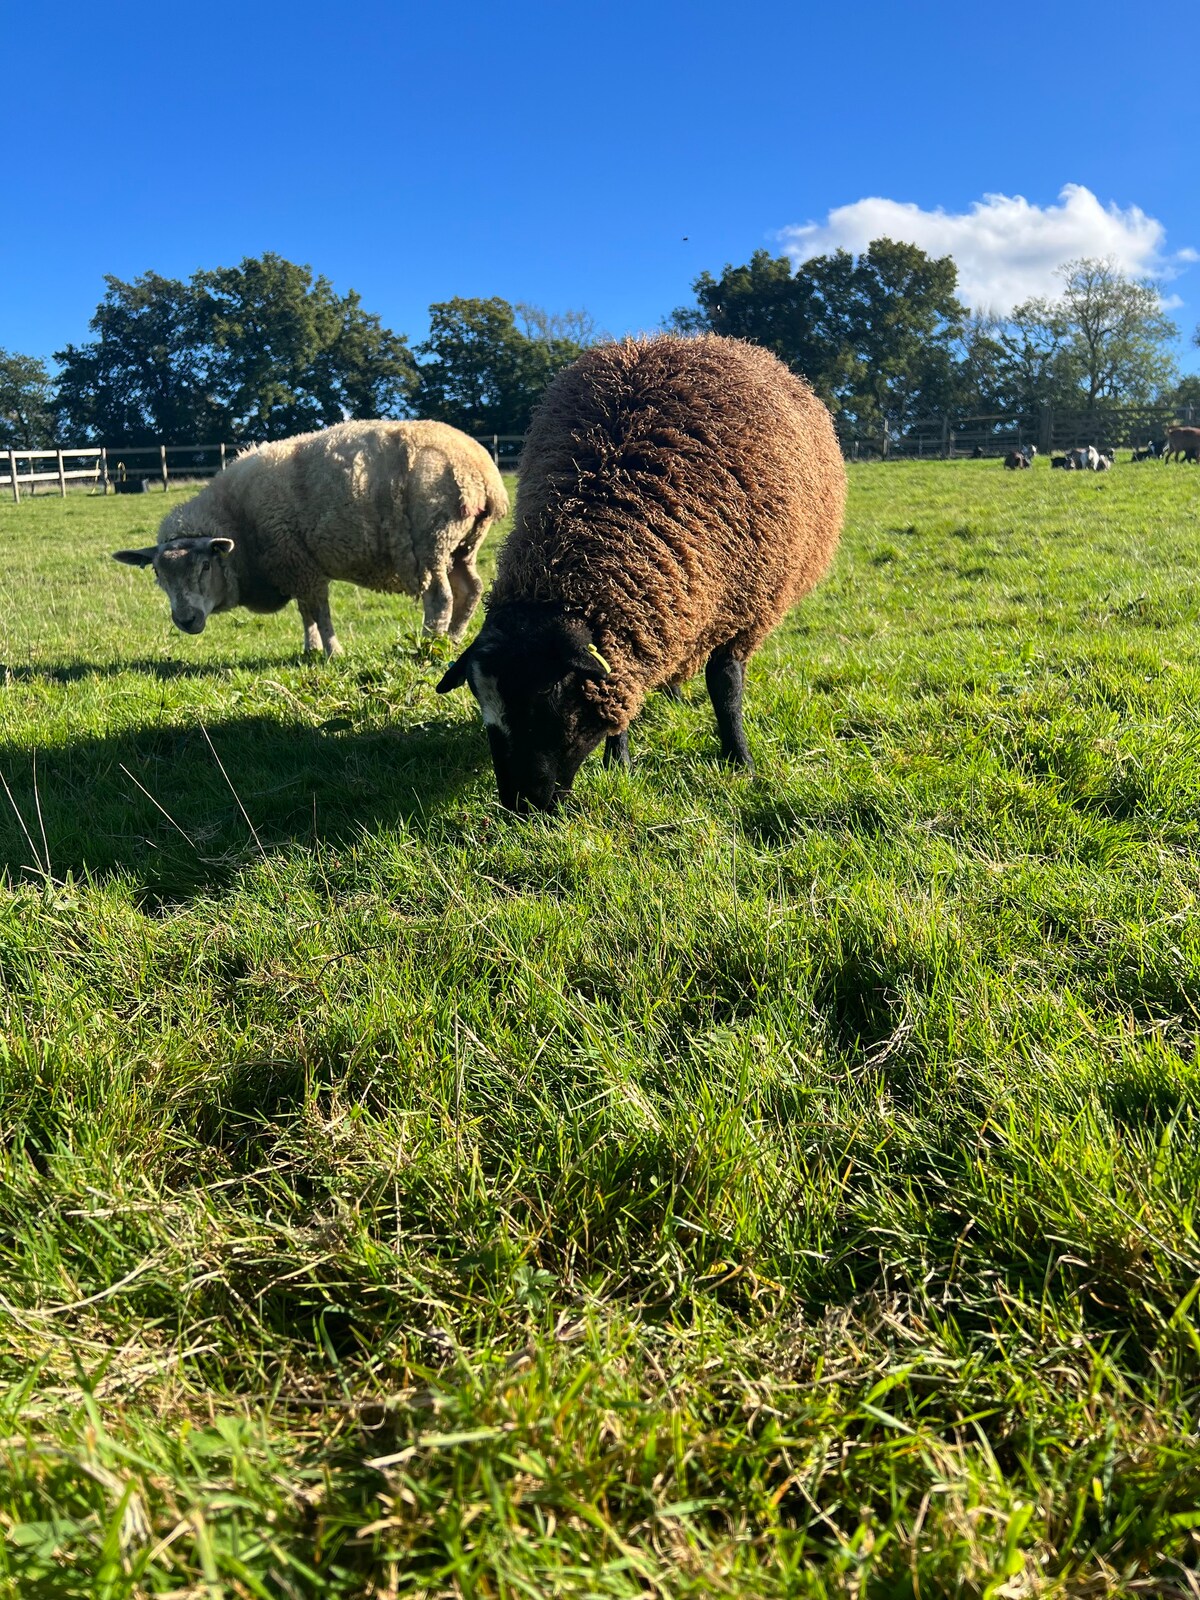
[[773, 1185]]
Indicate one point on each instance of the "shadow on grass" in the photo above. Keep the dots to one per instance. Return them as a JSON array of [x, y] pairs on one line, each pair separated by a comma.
[[165, 669], [153, 803]]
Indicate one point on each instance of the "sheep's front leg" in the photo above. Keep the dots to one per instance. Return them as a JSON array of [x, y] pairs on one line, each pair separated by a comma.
[[726, 678], [438, 603], [316, 606], [616, 749], [312, 637], [466, 586]]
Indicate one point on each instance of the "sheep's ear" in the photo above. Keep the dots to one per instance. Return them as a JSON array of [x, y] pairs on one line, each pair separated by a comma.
[[456, 674], [137, 558], [587, 661], [220, 547]]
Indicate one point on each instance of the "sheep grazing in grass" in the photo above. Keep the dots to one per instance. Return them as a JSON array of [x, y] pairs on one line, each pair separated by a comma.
[[396, 506], [1182, 444], [1084, 458], [1015, 460], [675, 498]]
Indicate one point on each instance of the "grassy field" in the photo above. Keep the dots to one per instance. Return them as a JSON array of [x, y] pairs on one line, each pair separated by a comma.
[[772, 1186]]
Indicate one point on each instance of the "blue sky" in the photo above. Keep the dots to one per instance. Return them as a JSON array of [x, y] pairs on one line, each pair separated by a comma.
[[593, 157]]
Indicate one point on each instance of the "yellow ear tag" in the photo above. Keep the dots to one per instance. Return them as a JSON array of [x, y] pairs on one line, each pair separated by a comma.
[[592, 651]]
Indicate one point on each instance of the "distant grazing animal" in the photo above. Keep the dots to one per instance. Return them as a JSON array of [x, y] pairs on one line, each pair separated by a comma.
[[675, 498], [1143, 453], [1016, 459], [1183, 443], [1064, 462], [1085, 458], [1104, 462], [123, 484], [977, 453], [397, 506]]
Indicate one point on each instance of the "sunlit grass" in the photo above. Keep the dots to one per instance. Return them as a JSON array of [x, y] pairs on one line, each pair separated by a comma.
[[756, 1186]]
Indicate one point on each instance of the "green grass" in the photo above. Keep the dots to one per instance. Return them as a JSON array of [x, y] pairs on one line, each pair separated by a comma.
[[767, 1186]]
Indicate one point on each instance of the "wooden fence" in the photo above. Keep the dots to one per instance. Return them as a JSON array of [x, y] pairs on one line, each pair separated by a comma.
[[947, 437], [111, 468], [117, 468]]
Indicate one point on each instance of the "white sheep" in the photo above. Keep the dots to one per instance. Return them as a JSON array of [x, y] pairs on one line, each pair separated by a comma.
[[397, 506]]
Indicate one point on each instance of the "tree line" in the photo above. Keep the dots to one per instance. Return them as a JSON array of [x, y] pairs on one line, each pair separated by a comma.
[[884, 339], [266, 349]]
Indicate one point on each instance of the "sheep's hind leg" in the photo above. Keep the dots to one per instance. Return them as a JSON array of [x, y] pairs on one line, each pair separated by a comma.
[[725, 676], [438, 604], [616, 749], [466, 586]]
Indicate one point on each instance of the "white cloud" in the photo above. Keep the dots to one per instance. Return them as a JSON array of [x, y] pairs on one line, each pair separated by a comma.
[[1006, 249]]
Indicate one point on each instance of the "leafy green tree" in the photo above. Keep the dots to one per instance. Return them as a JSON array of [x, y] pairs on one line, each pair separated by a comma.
[[874, 334], [577, 327], [480, 372], [979, 377], [146, 376], [1035, 365], [257, 351], [290, 355], [908, 319], [26, 402], [1119, 333], [766, 303]]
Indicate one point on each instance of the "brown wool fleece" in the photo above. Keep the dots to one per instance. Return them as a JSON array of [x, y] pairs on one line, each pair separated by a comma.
[[679, 495]]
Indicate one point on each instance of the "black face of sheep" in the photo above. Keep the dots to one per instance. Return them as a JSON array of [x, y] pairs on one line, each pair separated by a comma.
[[528, 670]]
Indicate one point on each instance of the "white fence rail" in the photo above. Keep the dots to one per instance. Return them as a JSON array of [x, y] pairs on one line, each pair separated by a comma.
[[117, 469]]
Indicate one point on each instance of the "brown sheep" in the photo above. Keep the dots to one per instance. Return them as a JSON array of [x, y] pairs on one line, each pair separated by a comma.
[[675, 498], [1183, 442]]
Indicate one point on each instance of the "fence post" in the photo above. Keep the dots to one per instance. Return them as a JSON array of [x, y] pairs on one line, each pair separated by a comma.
[[945, 438], [62, 481], [162, 450], [883, 442], [104, 470], [12, 467], [221, 468]]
